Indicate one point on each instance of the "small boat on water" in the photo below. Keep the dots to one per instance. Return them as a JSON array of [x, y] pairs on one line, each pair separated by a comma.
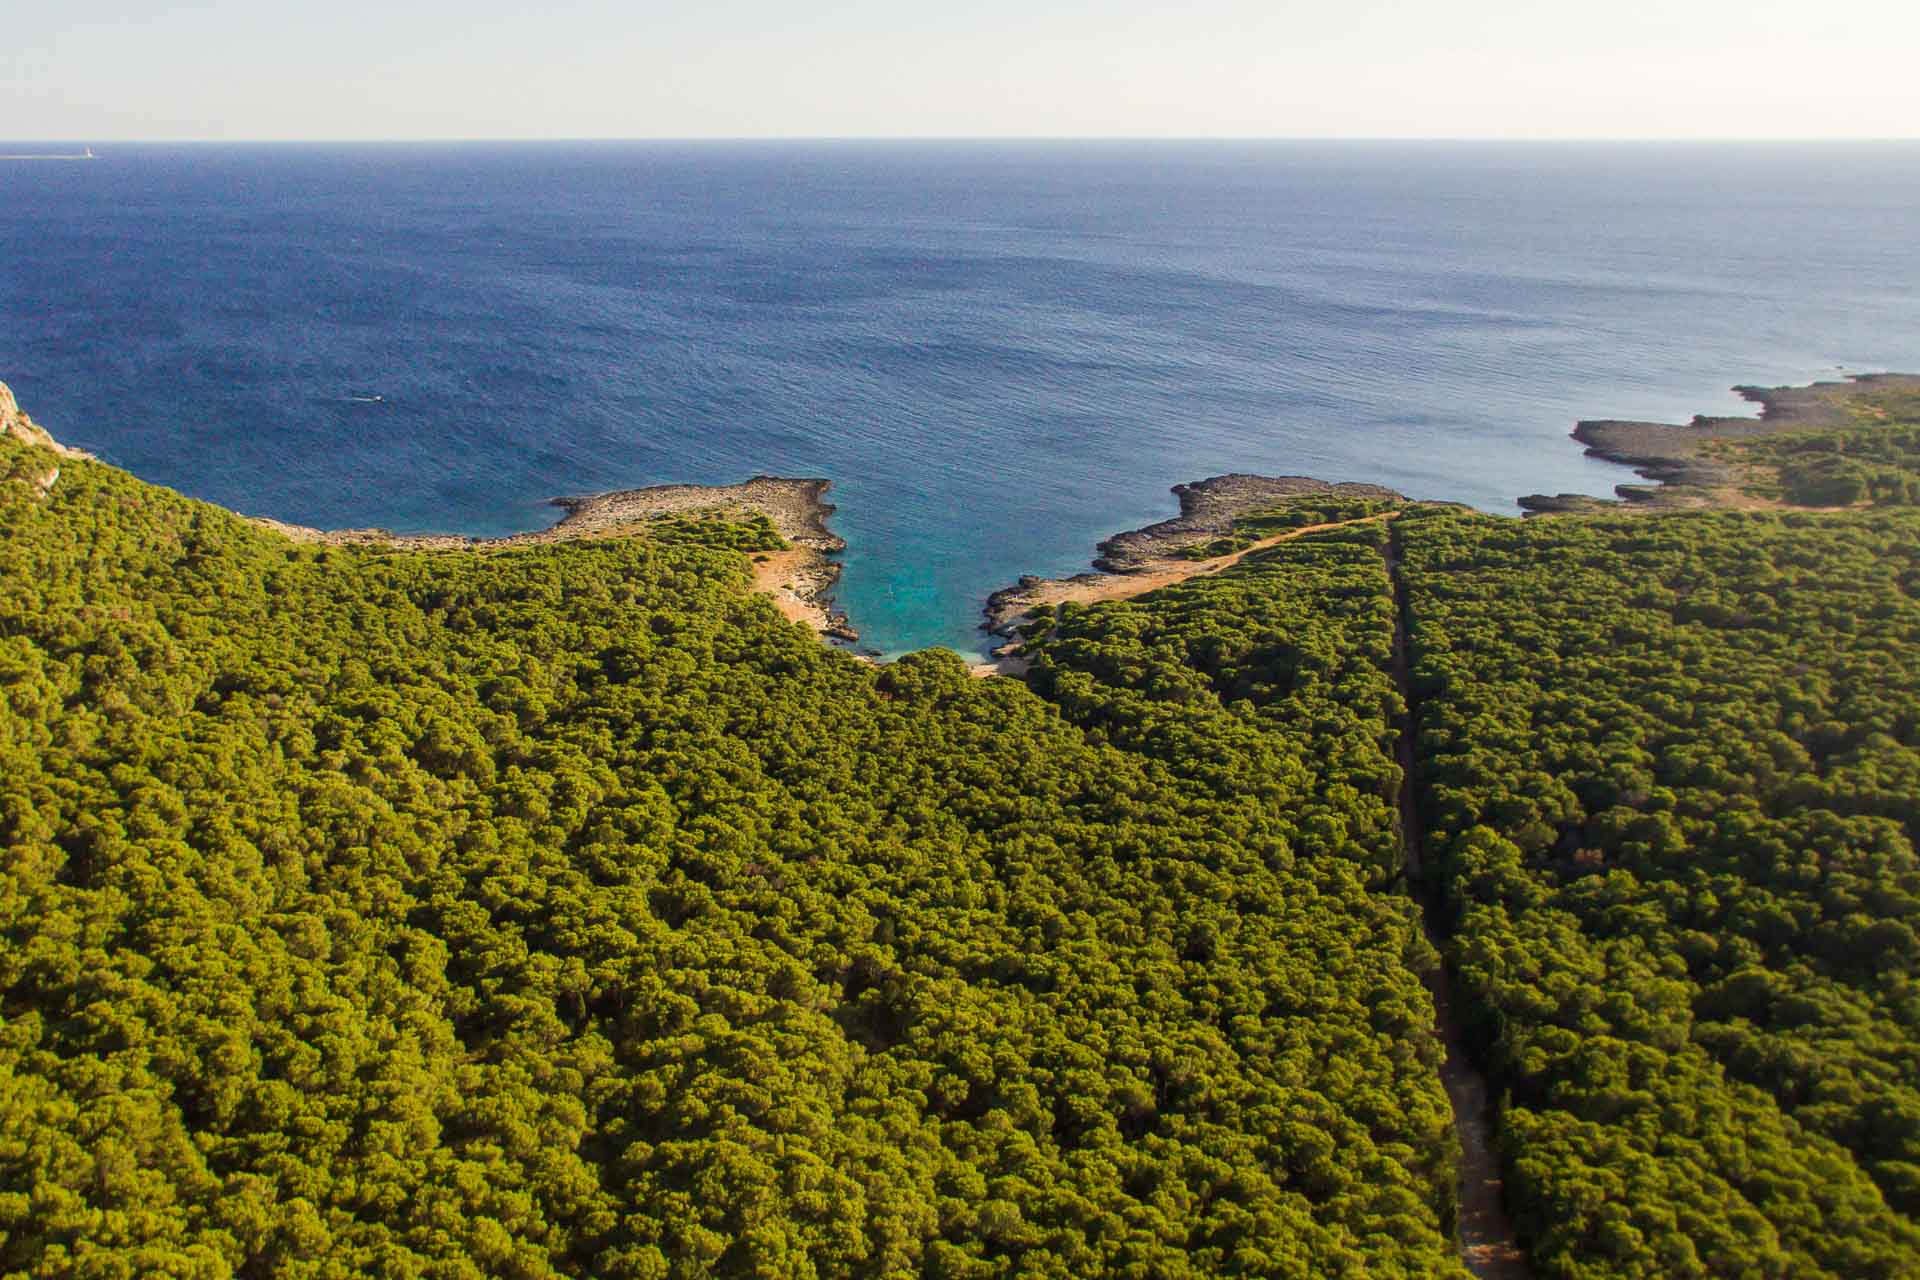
[[55, 155]]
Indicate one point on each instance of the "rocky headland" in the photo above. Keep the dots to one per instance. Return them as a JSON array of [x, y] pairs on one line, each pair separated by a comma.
[[1681, 460], [1681, 463], [1208, 509], [800, 579], [1142, 560]]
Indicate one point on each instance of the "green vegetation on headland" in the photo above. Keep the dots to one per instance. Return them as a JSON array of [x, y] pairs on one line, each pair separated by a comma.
[[1873, 460], [563, 910], [1254, 527], [1829, 444]]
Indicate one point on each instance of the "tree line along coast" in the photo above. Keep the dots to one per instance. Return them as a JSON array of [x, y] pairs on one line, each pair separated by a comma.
[[560, 908]]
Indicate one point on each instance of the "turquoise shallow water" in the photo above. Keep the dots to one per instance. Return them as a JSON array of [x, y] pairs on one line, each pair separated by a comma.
[[998, 352]]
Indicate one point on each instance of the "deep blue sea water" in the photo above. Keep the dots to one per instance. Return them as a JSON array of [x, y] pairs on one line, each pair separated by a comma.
[[999, 353]]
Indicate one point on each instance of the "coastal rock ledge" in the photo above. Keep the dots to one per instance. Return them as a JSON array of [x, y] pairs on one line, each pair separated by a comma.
[[800, 579], [1141, 560], [1681, 459], [1208, 509]]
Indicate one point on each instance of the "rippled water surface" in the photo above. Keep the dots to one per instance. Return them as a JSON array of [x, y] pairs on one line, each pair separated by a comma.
[[998, 352]]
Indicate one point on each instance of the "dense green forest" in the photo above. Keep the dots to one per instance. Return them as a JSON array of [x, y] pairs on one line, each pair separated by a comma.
[[566, 911], [1839, 467], [1671, 767], [563, 910], [1673, 763]]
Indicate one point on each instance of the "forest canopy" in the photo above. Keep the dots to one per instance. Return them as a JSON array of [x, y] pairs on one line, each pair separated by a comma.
[[564, 911], [1672, 764]]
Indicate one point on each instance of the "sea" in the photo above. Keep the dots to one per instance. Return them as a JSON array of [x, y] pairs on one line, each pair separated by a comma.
[[999, 352]]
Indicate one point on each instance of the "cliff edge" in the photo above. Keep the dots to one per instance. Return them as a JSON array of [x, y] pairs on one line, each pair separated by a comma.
[[15, 422]]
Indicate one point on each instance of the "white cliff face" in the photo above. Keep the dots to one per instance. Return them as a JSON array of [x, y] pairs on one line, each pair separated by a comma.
[[18, 425], [15, 423]]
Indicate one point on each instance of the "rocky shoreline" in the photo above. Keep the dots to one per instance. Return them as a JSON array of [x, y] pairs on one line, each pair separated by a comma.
[[1678, 461], [1678, 458], [1142, 560], [1208, 509], [801, 580], [797, 507]]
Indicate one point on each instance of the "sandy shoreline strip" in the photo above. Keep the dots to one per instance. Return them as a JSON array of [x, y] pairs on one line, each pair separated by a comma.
[[800, 579]]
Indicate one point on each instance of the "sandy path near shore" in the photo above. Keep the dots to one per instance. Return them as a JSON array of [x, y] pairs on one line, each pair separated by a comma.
[[1093, 588], [790, 578]]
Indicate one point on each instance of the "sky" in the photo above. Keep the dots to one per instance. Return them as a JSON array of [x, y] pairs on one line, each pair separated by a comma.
[[97, 71]]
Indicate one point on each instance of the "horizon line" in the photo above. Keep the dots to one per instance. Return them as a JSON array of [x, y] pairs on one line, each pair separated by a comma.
[[530, 139]]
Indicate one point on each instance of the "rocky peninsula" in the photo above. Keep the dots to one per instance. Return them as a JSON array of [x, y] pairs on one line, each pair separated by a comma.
[[1142, 560], [1685, 463], [800, 579], [1208, 509], [1690, 467]]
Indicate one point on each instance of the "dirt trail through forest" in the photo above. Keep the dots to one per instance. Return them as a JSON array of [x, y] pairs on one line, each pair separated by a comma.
[[1487, 1242]]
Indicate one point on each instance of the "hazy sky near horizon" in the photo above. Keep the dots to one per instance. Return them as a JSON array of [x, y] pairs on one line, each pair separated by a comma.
[[101, 70]]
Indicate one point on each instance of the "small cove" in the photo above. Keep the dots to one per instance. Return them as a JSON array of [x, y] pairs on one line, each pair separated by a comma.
[[999, 353]]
